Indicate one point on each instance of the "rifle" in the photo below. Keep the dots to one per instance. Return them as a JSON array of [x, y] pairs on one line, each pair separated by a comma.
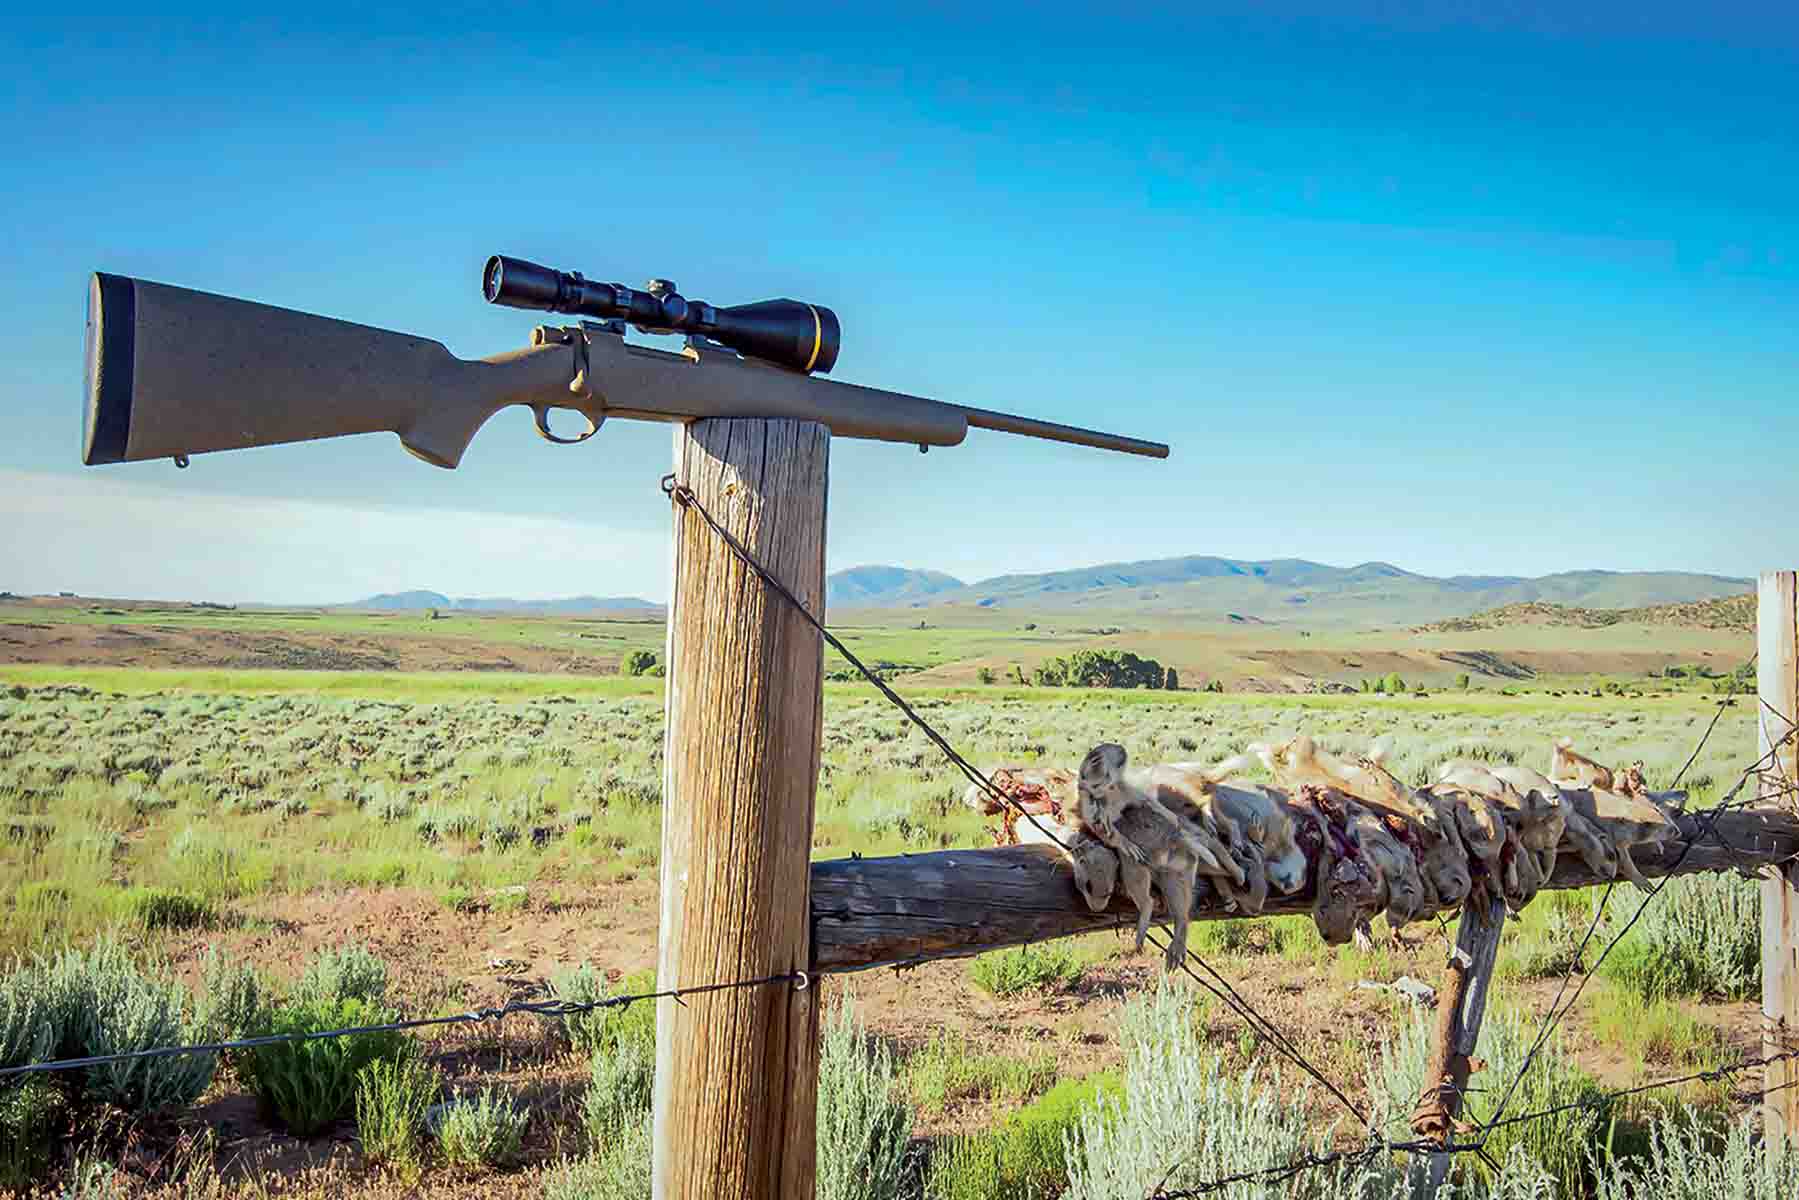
[[172, 372]]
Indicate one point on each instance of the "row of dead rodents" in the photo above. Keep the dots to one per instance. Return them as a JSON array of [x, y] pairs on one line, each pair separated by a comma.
[[1364, 841]]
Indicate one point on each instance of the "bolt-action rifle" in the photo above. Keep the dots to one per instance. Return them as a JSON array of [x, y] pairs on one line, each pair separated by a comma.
[[172, 372]]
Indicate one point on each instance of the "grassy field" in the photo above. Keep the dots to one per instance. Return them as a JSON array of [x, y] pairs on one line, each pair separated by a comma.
[[937, 647], [481, 834]]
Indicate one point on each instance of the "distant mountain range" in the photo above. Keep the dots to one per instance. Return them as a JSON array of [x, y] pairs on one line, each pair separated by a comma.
[[1196, 586], [1275, 589], [885, 586], [419, 600]]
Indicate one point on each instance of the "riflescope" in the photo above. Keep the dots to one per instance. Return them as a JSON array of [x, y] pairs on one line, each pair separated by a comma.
[[789, 333]]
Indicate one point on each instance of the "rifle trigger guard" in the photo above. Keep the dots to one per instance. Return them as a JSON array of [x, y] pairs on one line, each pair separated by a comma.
[[541, 414], [579, 386]]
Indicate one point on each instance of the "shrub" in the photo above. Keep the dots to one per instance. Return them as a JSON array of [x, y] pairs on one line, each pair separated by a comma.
[[344, 973], [638, 662], [1100, 668], [1024, 1156], [155, 908], [619, 1170], [1025, 969], [102, 1004], [31, 1113], [619, 1091], [863, 1126], [1684, 1162], [309, 1084], [232, 1003], [985, 674], [604, 1030], [29, 1019], [1700, 937], [392, 1097], [1182, 1120], [485, 1131], [1554, 1145]]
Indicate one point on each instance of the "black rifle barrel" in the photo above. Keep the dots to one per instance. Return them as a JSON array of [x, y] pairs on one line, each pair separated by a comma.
[[985, 418]]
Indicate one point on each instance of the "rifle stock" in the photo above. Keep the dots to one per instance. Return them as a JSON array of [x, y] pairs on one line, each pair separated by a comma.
[[173, 372]]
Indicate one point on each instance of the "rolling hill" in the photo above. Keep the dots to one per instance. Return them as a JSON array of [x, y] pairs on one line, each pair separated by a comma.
[[419, 600], [1290, 589], [865, 587]]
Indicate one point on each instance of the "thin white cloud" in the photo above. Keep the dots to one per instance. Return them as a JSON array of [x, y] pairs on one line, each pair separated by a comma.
[[108, 537]]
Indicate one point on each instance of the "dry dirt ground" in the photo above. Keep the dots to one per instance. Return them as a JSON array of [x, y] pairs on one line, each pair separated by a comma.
[[444, 961]]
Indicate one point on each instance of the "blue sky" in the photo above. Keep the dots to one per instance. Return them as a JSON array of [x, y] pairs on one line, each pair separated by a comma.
[[1468, 288]]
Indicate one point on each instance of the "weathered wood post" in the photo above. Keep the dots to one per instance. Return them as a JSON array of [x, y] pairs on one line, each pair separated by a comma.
[[1461, 1010], [737, 1070], [1777, 674]]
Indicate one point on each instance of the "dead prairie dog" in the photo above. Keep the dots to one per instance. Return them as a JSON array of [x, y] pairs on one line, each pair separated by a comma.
[[1260, 814], [1623, 821], [1223, 838], [1586, 841], [1401, 886], [1443, 864], [1538, 814], [1036, 789], [1569, 766], [1152, 843], [1173, 868], [1095, 864], [1109, 791], [1300, 761]]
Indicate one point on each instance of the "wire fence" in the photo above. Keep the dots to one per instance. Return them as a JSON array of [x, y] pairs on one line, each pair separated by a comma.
[[1377, 1147], [540, 1008], [1212, 981]]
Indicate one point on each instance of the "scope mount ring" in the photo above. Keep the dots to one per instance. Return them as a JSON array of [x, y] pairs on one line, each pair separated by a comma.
[[540, 415]]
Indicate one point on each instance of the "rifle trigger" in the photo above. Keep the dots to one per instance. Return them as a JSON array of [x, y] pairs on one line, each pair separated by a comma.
[[540, 413]]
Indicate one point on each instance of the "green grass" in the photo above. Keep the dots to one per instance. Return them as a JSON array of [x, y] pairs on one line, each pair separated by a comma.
[[331, 781], [418, 686], [948, 1069], [1026, 969], [1657, 1031], [1022, 1156]]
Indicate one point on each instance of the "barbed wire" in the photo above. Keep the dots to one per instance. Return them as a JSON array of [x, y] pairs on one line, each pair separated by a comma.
[[540, 1008], [1709, 817], [1260, 1025], [1314, 1160]]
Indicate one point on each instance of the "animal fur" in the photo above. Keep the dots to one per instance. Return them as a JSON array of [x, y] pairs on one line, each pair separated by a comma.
[[1401, 888], [1096, 866], [1035, 789], [1348, 892], [1259, 814], [1534, 823], [1117, 807], [1537, 813], [1623, 821], [1367, 779], [1577, 833], [1569, 766], [1441, 858]]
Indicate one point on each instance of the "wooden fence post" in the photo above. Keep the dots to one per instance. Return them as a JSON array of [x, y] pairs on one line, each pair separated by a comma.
[[1777, 674], [737, 1070], [1461, 1010]]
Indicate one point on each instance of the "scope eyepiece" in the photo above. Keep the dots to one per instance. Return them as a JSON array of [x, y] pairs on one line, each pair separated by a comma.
[[790, 333]]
